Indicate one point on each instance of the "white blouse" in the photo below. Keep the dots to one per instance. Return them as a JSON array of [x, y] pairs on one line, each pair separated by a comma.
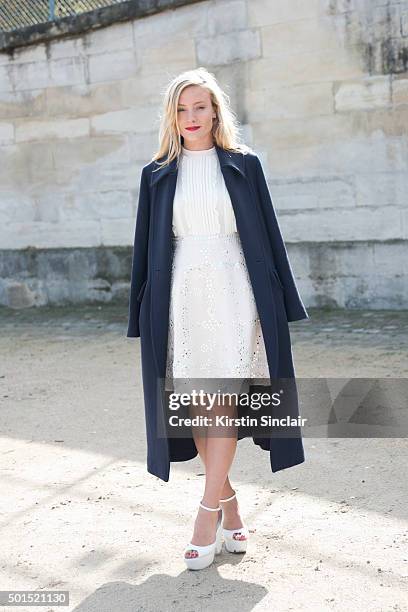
[[202, 205]]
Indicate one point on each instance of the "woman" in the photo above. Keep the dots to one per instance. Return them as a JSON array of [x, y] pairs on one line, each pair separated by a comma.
[[212, 292]]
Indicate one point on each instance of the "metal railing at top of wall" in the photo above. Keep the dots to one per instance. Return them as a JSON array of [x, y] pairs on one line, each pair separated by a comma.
[[19, 14]]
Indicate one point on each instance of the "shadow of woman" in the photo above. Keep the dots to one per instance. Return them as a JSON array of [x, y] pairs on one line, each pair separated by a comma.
[[183, 592]]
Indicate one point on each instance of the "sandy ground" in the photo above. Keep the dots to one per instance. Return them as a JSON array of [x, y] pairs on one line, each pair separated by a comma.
[[79, 512]]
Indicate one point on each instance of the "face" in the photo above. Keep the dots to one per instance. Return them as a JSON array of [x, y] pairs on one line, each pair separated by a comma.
[[195, 110]]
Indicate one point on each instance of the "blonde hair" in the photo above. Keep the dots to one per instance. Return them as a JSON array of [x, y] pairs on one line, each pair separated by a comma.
[[226, 129]]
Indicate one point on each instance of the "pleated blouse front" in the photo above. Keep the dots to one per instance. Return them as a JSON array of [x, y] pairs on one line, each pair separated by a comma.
[[202, 205]]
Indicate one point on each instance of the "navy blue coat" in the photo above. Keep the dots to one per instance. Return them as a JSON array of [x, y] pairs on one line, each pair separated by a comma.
[[273, 284]]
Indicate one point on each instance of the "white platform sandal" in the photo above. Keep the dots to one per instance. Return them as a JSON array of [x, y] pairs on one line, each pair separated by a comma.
[[236, 540], [203, 556]]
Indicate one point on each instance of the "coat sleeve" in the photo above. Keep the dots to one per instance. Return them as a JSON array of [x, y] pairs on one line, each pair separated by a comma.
[[140, 257], [294, 307]]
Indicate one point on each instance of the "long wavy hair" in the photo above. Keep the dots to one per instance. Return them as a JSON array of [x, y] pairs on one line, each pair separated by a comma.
[[226, 129]]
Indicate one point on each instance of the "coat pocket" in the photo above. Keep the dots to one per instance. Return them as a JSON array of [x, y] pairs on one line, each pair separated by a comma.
[[276, 276], [141, 292]]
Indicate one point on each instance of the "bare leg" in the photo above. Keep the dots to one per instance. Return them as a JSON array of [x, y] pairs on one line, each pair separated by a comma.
[[201, 443], [232, 517], [217, 453]]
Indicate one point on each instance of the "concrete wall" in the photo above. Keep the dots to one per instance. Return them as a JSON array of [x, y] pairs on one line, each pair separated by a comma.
[[321, 88]]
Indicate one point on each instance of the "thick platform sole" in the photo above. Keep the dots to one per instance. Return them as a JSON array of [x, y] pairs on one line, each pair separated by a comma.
[[200, 562], [235, 546], [206, 553]]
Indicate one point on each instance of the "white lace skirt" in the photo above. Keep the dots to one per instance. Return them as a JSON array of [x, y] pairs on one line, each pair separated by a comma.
[[214, 328]]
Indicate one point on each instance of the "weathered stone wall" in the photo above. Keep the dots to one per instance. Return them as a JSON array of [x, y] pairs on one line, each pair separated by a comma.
[[321, 88]]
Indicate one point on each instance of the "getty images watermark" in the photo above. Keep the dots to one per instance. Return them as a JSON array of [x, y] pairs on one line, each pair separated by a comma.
[[213, 402], [218, 407]]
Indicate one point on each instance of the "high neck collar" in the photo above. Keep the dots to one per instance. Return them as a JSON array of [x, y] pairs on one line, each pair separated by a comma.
[[202, 152], [226, 158]]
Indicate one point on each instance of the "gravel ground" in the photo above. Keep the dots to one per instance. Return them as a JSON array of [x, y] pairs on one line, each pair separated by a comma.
[[79, 511]]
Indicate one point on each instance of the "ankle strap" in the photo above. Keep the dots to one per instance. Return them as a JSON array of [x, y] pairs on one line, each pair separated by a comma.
[[228, 498], [210, 509]]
